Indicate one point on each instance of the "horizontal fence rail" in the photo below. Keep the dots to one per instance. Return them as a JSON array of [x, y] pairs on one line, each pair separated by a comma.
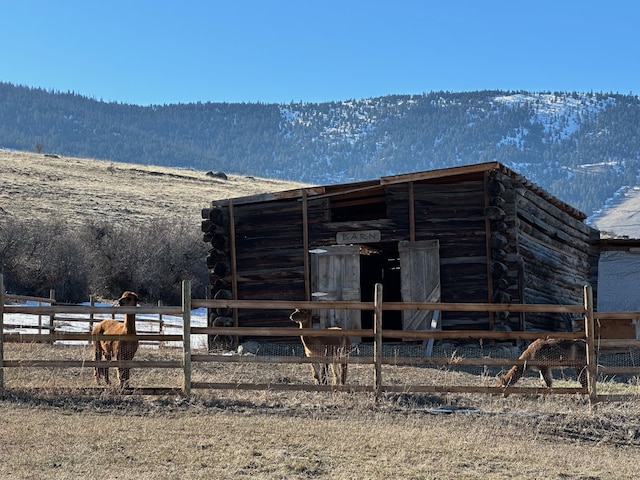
[[444, 307], [191, 358]]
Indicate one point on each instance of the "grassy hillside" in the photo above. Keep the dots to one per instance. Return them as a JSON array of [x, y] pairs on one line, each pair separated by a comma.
[[76, 190], [622, 217]]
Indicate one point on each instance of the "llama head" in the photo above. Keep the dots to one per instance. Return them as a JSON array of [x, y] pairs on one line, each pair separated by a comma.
[[301, 317], [128, 299]]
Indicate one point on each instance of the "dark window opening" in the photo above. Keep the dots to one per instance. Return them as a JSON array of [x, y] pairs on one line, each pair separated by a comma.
[[365, 211]]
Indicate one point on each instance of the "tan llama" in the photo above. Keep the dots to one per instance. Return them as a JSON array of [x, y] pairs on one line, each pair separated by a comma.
[[336, 349], [116, 349], [573, 352]]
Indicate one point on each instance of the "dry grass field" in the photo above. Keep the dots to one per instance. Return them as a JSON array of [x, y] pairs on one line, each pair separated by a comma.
[[76, 190], [301, 436], [49, 432], [52, 430]]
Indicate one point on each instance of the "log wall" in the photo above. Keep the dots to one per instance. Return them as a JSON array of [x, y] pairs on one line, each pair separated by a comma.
[[555, 252]]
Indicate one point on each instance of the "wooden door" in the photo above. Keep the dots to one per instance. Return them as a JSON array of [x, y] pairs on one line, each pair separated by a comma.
[[420, 281], [335, 276]]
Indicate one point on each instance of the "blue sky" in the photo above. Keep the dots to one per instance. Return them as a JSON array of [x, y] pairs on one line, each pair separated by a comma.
[[280, 51]]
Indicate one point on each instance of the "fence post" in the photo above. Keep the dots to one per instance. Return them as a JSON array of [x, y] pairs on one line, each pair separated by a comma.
[[1, 334], [92, 303], [40, 321], [160, 318], [377, 343], [186, 336], [52, 318], [592, 361]]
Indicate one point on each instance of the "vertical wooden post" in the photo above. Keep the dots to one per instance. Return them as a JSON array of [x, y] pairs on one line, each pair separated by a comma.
[[92, 303], [1, 334], [412, 213], [592, 361], [52, 297], [40, 320], [161, 322], [305, 245], [377, 343], [487, 243], [186, 336], [160, 318], [234, 266]]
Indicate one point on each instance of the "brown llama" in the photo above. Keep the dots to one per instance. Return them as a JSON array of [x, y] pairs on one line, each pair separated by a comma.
[[116, 349], [573, 352], [334, 348]]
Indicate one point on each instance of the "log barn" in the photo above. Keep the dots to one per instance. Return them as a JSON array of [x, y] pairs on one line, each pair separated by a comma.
[[477, 233]]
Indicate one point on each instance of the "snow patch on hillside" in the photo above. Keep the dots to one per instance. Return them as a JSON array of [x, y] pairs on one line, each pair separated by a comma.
[[559, 115]]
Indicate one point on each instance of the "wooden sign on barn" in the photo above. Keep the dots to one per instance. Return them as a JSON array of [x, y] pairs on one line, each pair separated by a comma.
[[478, 233]]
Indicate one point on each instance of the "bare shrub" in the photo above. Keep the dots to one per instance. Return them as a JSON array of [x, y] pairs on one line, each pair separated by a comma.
[[103, 259], [36, 258], [151, 258], [12, 241]]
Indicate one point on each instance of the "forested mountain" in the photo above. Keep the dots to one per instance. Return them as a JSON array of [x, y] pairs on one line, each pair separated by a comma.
[[581, 147]]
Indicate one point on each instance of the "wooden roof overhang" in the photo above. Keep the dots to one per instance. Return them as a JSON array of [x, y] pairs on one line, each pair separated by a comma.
[[364, 191], [623, 244]]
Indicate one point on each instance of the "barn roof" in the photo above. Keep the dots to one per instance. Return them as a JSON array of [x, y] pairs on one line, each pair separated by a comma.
[[628, 244], [461, 173]]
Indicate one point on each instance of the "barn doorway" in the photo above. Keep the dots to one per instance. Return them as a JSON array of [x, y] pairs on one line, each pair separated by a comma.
[[408, 271], [380, 263]]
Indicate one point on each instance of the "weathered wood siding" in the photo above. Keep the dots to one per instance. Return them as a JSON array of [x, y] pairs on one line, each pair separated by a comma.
[[555, 252], [453, 214]]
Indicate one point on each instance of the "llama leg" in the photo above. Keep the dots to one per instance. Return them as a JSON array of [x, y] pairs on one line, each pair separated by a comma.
[[323, 380], [97, 356], [545, 375], [581, 372], [105, 371], [327, 367], [101, 372], [512, 376], [335, 373], [123, 377], [319, 371], [343, 374], [315, 372], [342, 354]]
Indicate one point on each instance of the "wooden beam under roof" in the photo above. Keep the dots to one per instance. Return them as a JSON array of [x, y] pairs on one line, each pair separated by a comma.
[[272, 196]]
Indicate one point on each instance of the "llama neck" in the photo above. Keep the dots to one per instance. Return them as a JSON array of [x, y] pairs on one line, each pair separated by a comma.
[[130, 323], [305, 324]]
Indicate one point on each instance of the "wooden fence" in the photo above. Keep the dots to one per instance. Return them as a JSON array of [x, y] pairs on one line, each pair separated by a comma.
[[376, 360], [54, 321]]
